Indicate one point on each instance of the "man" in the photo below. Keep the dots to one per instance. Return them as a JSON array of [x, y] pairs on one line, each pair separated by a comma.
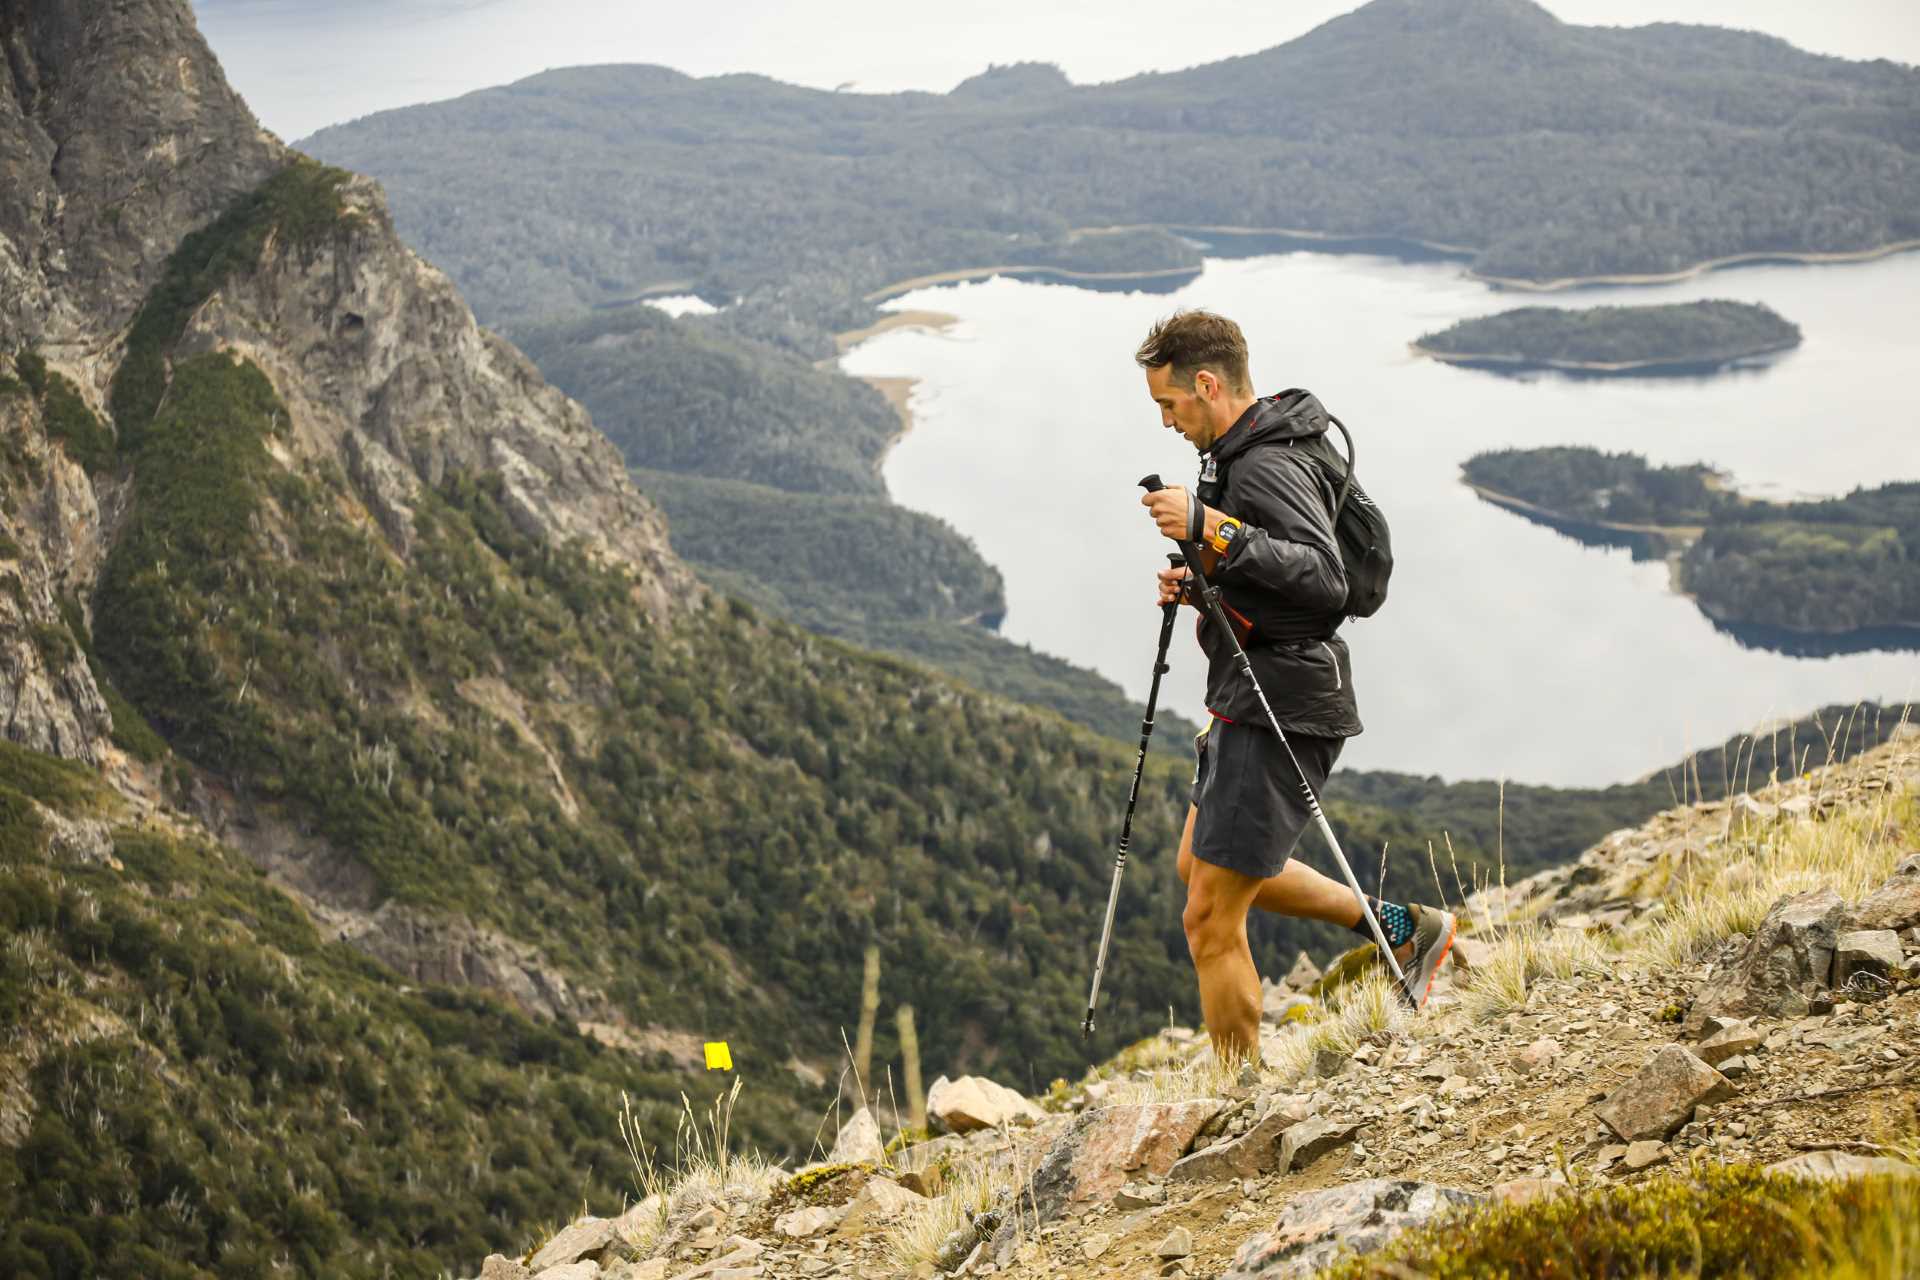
[[1263, 513]]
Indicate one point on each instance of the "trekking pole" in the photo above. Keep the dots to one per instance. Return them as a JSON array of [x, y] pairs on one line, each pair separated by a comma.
[[1168, 612], [1210, 597]]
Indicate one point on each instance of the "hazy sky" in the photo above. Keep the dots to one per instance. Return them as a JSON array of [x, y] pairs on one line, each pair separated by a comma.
[[304, 64]]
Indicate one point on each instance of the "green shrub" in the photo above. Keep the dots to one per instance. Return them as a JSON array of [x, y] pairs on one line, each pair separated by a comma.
[[31, 369], [1722, 1221], [66, 418], [58, 784], [21, 829]]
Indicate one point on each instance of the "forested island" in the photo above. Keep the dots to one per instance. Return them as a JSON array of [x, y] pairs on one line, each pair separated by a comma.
[[1820, 576], [1675, 338]]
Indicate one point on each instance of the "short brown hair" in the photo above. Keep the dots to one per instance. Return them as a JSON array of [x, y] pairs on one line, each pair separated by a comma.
[[1195, 340]]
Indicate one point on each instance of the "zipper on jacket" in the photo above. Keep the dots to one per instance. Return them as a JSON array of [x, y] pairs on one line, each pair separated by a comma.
[[1336, 662]]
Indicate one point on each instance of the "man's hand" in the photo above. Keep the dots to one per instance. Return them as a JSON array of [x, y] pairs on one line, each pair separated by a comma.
[[1170, 583], [1168, 507]]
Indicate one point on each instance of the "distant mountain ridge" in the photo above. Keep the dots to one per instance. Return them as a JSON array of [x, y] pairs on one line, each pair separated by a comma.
[[1548, 150]]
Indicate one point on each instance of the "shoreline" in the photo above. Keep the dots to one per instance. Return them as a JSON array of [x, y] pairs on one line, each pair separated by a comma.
[[933, 321], [897, 389], [1522, 284], [1289, 233], [1673, 532], [1673, 364], [1803, 257], [960, 274]]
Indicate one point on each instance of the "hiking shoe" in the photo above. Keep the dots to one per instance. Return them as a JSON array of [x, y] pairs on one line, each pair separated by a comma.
[[1432, 939]]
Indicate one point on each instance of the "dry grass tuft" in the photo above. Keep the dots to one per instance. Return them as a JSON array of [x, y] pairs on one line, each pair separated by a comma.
[[1522, 954], [971, 1190], [1716, 896], [705, 1167]]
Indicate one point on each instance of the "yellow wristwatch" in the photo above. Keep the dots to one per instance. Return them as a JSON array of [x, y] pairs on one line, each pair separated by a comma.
[[1224, 534]]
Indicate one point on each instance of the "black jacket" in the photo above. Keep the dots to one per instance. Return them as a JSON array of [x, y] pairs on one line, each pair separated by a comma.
[[1283, 573]]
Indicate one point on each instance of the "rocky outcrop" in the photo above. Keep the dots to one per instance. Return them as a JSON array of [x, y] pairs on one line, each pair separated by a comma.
[[50, 547], [1784, 966], [1103, 1148], [1895, 904], [432, 948], [386, 373], [119, 135]]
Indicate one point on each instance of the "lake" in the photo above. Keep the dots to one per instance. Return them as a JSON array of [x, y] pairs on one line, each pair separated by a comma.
[[1505, 649]]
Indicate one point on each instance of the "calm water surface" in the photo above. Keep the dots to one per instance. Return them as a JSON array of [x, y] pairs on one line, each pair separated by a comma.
[[1505, 650]]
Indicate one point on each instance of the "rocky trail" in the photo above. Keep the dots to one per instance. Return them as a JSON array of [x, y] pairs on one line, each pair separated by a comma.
[[1598, 1025]]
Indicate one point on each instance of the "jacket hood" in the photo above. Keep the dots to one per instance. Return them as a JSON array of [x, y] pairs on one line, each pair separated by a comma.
[[1292, 414]]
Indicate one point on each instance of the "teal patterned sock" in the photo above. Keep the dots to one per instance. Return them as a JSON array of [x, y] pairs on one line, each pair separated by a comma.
[[1395, 921]]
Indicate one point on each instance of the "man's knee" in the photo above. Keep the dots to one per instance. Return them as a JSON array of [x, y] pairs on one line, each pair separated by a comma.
[[1211, 928]]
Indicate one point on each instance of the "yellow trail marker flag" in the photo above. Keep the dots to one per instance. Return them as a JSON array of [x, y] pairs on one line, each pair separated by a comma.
[[718, 1058]]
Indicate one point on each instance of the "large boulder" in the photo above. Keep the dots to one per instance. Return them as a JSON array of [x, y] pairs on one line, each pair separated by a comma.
[[975, 1102], [1787, 962], [1254, 1152], [1101, 1151], [1315, 1227], [1307, 1141], [1895, 904], [1662, 1095], [1303, 974]]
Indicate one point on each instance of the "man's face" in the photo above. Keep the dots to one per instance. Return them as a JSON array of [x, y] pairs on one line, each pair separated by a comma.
[[1183, 409]]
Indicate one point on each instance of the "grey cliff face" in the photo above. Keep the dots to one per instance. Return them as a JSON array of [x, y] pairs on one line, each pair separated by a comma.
[[385, 370], [52, 544], [118, 135]]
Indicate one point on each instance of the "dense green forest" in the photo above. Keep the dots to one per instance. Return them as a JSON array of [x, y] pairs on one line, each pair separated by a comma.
[[685, 395], [1689, 335], [1843, 564], [1541, 149], [719, 811], [1839, 565]]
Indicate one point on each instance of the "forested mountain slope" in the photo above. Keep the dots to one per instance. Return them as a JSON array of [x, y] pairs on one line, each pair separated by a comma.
[[1542, 149]]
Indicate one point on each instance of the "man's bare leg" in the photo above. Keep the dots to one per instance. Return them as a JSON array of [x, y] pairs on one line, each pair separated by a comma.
[[1216, 922]]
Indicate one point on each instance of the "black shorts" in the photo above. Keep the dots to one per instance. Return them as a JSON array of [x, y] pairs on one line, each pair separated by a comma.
[[1251, 810]]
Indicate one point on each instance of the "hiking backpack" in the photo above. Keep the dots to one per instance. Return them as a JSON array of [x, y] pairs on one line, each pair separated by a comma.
[[1359, 528]]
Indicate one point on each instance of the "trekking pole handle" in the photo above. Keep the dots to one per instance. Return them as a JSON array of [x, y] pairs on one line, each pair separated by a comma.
[[1152, 483]]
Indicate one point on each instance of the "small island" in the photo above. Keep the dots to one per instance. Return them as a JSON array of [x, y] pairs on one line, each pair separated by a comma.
[[1677, 338], [1829, 576]]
